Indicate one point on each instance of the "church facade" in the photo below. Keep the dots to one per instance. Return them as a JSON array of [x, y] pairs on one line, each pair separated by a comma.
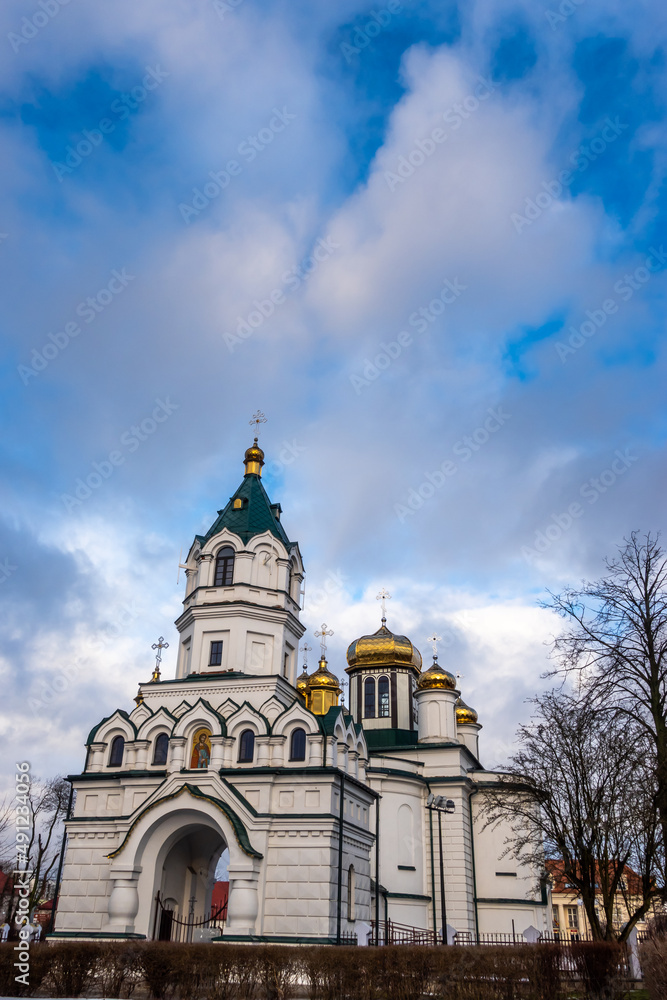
[[327, 811]]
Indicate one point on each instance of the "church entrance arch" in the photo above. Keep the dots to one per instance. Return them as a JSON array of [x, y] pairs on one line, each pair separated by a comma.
[[183, 902]]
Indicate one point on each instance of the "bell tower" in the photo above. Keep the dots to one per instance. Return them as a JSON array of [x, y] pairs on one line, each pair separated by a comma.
[[241, 612]]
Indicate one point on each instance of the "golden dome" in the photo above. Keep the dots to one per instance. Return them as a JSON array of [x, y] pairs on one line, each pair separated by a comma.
[[436, 677], [323, 678], [465, 715], [254, 459], [382, 649], [302, 682]]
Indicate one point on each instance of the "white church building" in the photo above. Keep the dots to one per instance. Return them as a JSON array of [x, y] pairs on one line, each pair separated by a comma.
[[326, 811]]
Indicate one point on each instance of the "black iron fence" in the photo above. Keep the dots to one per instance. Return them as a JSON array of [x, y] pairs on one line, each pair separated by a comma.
[[168, 926]]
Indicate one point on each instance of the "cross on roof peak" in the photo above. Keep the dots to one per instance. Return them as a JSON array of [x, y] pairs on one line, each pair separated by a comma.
[[322, 634], [383, 596], [257, 419]]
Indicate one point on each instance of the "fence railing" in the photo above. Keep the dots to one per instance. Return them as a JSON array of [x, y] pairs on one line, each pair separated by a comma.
[[185, 929]]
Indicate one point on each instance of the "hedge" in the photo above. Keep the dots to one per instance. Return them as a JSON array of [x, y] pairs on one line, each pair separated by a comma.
[[279, 972]]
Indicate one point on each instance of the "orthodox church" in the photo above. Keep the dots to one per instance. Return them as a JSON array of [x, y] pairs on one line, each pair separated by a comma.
[[333, 816]]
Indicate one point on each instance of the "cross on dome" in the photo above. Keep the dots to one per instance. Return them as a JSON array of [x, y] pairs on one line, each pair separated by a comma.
[[322, 634], [305, 649], [159, 645], [257, 419], [434, 640], [383, 596]]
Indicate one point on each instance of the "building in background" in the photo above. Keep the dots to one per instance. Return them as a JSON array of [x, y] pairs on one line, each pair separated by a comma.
[[326, 811], [568, 913]]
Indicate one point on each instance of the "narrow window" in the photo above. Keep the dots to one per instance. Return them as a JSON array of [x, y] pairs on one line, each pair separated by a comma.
[[297, 750], [246, 747], [350, 893], [117, 751], [383, 698], [161, 749], [224, 567], [369, 698], [290, 577], [215, 659], [286, 665]]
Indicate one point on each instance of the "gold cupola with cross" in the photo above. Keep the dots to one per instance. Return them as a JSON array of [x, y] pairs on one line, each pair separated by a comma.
[[322, 689], [384, 668]]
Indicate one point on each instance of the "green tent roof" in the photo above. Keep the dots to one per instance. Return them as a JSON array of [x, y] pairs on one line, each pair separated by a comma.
[[256, 515]]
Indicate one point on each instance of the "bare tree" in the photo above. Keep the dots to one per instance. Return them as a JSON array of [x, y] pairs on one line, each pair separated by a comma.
[[577, 791], [616, 640], [47, 803]]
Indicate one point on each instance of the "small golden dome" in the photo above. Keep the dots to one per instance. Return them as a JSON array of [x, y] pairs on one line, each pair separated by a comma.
[[254, 459], [436, 677], [323, 678], [465, 715], [383, 648], [302, 682]]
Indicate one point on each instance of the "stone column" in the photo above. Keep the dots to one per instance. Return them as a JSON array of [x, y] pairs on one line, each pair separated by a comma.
[[217, 752], [263, 750], [96, 758], [176, 753], [141, 749], [124, 899], [243, 898]]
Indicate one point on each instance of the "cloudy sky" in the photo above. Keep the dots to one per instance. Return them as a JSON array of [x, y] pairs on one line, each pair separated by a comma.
[[426, 239]]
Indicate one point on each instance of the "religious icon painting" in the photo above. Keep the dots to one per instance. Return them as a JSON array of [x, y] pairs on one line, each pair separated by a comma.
[[201, 750]]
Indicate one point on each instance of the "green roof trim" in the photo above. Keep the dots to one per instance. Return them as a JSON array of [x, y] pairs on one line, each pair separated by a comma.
[[238, 826], [119, 711], [256, 516]]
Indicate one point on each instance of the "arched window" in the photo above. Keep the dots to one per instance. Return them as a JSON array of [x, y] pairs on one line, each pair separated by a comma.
[[246, 747], [161, 749], [224, 567], [350, 893], [383, 698], [297, 746], [117, 751], [369, 698]]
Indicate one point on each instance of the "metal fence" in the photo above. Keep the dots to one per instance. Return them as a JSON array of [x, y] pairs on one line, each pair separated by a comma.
[[170, 927]]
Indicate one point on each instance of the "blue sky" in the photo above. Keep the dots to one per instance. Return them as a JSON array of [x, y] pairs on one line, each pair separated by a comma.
[[459, 210]]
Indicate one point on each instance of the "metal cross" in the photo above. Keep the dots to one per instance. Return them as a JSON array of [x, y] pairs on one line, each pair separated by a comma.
[[257, 419], [434, 639], [323, 638], [159, 645], [344, 684], [383, 596], [305, 649]]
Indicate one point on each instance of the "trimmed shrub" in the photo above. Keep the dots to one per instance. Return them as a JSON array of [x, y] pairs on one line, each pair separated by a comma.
[[72, 966], [599, 966], [39, 965], [653, 958]]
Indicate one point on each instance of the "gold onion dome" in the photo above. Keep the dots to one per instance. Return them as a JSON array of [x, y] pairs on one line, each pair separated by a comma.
[[383, 648], [254, 459], [436, 677], [322, 678], [302, 681], [465, 715]]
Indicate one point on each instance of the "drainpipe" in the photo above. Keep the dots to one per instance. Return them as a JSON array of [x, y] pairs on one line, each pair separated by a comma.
[[377, 871], [341, 819], [474, 874], [52, 921]]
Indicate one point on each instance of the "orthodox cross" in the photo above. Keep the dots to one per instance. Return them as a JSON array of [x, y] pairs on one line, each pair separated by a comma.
[[383, 596], [257, 419], [323, 633], [159, 645], [344, 684], [305, 649], [434, 640]]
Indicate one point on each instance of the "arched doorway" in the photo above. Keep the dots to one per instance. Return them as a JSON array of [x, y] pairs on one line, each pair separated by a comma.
[[183, 901]]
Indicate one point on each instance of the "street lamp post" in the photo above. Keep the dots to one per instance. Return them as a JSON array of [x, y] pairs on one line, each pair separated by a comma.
[[441, 804]]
